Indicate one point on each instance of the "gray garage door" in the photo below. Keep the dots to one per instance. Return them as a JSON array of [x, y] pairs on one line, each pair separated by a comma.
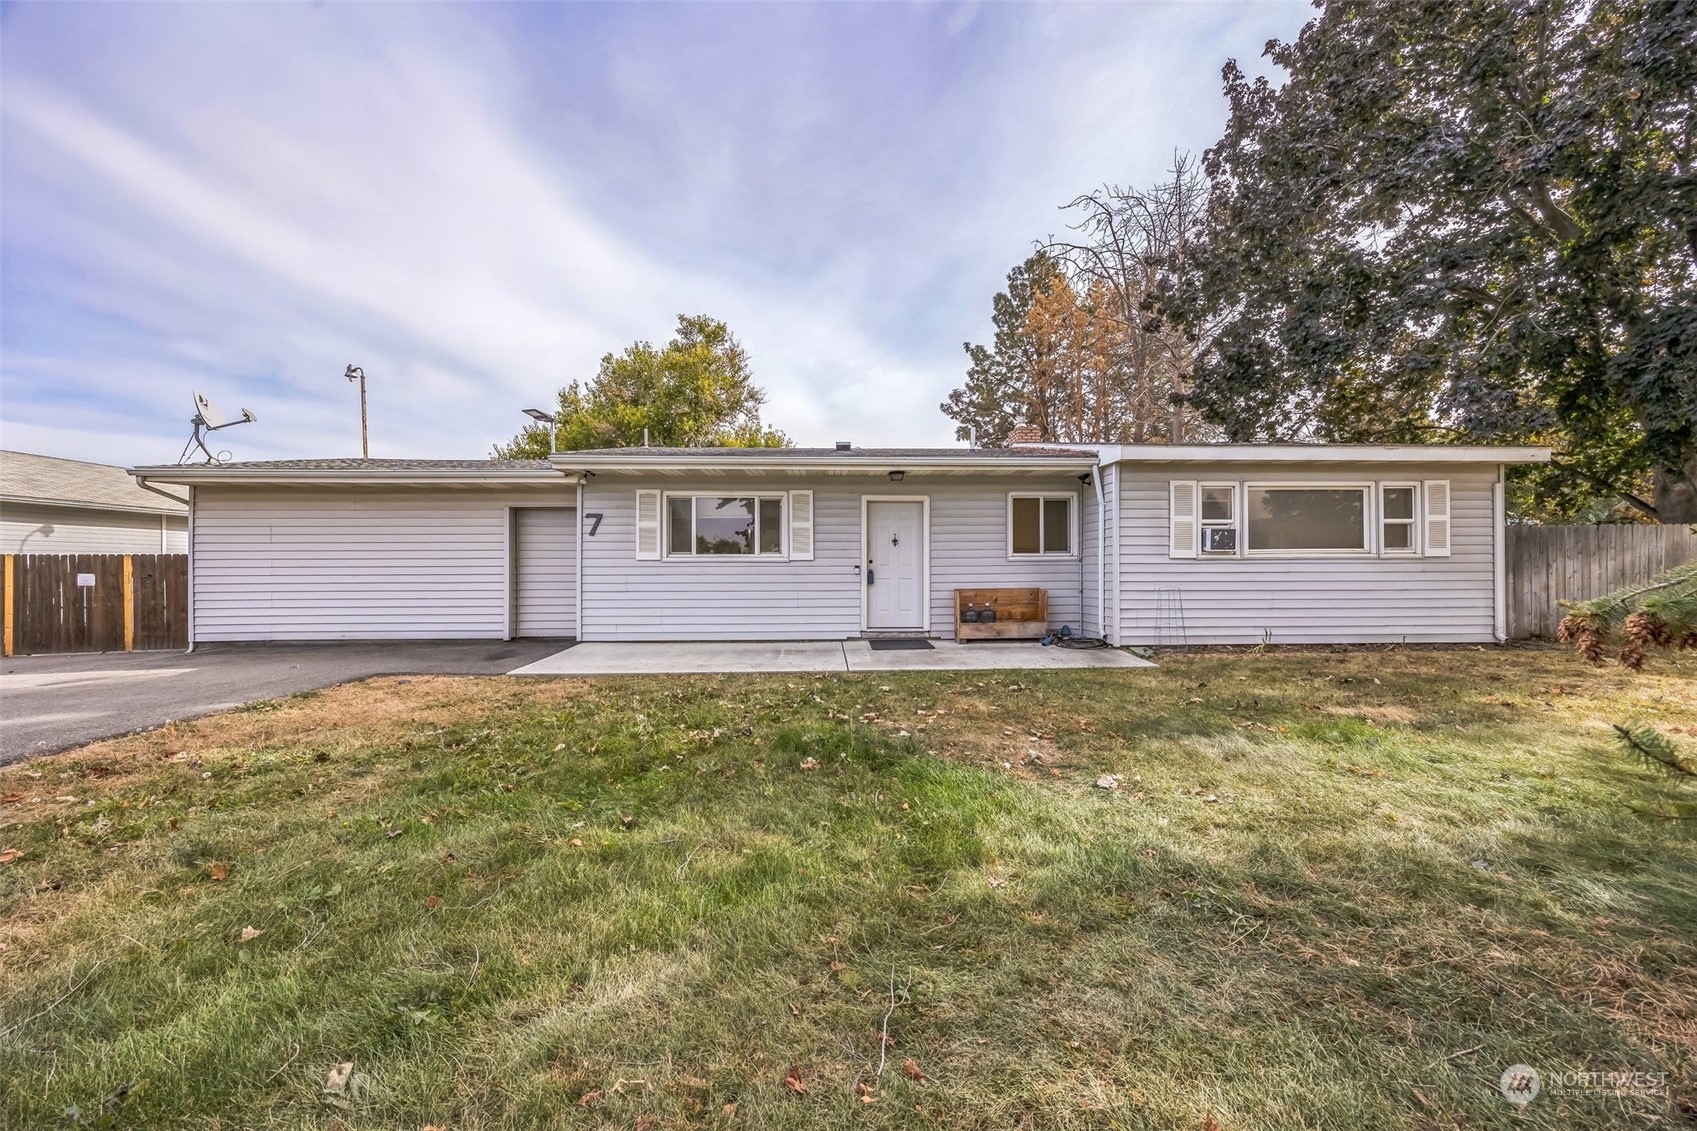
[[547, 571]]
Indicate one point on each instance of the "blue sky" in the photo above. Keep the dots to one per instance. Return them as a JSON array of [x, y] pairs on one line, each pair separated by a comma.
[[475, 203]]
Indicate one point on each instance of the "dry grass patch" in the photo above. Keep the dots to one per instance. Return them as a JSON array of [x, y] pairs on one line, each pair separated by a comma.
[[1337, 890]]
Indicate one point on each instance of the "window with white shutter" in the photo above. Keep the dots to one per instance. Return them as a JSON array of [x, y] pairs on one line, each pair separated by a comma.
[[1437, 497], [648, 526], [1182, 517], [801, 526]]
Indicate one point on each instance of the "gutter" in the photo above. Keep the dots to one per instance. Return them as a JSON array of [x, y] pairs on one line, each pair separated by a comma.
[[859, 465], [1322, 453], [457, 478], [1101, 555], [77, 504]]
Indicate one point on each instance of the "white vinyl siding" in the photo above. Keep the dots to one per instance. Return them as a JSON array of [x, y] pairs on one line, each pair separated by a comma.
[[351, 564], [747, 598], [1302, 599], [29, 528], [545, 571]]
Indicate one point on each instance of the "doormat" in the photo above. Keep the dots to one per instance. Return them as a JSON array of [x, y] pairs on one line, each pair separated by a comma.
[[899, 644]]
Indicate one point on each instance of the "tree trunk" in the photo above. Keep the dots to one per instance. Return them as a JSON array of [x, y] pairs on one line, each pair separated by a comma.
[[1676, 491]]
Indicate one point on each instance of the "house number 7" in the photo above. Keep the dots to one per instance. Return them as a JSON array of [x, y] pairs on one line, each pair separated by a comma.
[[594, 518]]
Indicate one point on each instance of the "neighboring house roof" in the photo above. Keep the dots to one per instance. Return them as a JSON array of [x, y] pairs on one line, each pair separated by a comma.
[[51, 481], [447, 472]]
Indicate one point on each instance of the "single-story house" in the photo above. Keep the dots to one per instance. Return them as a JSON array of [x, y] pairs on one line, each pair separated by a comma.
[[66, 506], [1214, 543]]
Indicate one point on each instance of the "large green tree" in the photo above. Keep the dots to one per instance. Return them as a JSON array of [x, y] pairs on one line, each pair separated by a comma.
[[1466, 219], [697, 391]]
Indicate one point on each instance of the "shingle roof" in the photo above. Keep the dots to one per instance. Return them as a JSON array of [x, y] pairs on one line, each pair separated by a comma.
[[877, 454], [29, 478]]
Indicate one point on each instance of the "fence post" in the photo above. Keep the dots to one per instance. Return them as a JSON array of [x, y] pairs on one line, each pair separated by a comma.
[[9, 601], [129, 603]]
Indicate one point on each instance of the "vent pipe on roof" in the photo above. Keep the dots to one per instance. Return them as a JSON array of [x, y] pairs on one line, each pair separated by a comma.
[[844, 445]]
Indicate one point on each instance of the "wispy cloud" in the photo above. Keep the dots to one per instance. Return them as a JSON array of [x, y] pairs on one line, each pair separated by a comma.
[[476, 203]]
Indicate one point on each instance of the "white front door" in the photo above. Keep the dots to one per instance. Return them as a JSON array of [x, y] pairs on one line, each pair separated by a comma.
[[895, 565]]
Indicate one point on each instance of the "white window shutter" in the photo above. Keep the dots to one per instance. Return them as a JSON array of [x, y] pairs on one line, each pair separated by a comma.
[[1182, 516], [1437, 495], [648, 526], [801, 526]]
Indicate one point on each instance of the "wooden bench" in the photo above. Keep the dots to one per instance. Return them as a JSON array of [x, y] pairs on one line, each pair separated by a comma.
[[1021, 614]]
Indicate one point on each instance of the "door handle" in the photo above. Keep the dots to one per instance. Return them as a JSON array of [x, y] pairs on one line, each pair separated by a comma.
[[869, 575]]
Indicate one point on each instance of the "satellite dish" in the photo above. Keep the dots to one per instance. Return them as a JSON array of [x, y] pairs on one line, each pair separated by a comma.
[[207, 419], [207, 411]]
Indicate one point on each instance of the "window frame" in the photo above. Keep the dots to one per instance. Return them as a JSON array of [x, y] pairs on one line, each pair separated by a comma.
[[1203, 525], [1368, 490], [669, 555], [1071, 552], [1416, 547]]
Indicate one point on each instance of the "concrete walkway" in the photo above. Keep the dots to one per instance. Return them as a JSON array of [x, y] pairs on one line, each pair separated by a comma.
[[819, 656]]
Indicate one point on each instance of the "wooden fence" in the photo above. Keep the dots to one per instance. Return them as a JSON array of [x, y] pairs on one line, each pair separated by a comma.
[[1549, 564], [95, 602]]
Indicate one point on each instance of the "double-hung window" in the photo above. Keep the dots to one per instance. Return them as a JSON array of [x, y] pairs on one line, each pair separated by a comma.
[[1219, 518], [718, 525], [1396, 518], [1040, 524]]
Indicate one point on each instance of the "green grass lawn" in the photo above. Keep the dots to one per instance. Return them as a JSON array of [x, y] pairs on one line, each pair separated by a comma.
[[1337, 890]]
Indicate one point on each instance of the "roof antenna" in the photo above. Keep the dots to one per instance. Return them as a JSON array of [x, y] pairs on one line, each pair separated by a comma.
[[207, 419]]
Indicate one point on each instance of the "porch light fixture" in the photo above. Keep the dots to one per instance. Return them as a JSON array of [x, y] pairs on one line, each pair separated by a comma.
[[549, 419], [897, 476]]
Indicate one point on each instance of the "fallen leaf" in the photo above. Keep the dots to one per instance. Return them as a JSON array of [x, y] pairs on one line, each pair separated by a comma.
[[996, 881], [575, 842], [646, 1123], [794, 1082], [590, 1099], [794, 1012], [220, 872], [912, 1071], [251, 933], [10, 855], [12, 798], [810, 763], [337, 1082], [393, 833], [626, 821], [867, 1095], [728, 1110], [433, 903], [1210, 1124]]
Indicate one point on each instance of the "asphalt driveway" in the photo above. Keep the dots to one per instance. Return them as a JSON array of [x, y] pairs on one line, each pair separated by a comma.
[[50, 703]]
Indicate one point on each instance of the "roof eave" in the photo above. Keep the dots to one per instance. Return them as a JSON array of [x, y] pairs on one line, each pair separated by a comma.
[[1323, 453], [854, 464], [86, 505], [260, 477]]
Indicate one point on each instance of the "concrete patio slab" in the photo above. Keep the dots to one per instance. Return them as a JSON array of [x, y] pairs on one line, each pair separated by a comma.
[[816, 656], [947, 655]]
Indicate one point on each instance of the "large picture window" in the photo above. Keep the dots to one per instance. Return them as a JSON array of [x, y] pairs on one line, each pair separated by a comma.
[[703, 525], [1306, 519], [1040, 524]]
